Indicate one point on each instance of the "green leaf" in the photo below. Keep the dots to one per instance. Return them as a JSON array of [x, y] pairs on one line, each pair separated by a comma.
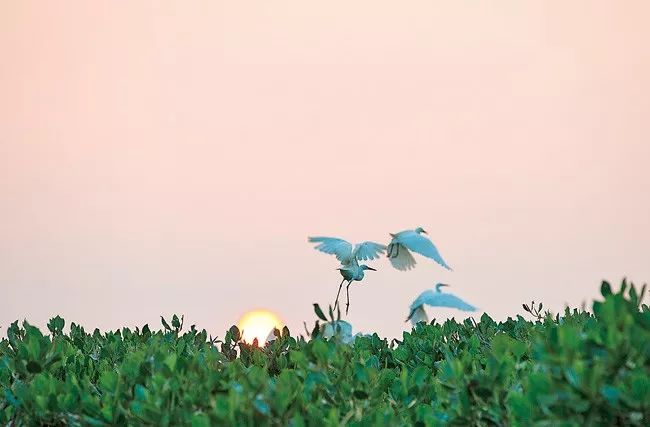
[[297, 421], [91, 421], [236, 334], [108, 380], [55, 325], [13, 401], [641, 387], [316, 331], [610, 393], [171, 360], [200, 420], [319, 312], [520, 407], [107, 413], [140, 392], [360, 394], [298, 357], [320, 350], [518, 348], [165, 324], [605, 289], [33, 367]]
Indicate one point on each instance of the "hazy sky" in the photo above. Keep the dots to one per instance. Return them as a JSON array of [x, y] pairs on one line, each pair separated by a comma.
[[159, 158]]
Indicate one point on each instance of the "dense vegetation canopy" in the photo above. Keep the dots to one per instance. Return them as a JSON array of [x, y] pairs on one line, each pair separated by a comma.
[[578, 368]]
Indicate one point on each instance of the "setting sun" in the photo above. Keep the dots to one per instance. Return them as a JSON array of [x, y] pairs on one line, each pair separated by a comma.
[[258, 324]]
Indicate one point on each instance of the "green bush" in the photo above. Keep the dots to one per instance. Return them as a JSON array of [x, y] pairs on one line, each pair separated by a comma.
[[576, 369]]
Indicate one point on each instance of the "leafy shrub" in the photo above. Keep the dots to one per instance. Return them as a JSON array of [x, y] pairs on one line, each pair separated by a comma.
[[575, 369]]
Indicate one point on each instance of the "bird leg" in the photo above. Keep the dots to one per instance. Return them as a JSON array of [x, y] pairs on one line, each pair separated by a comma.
[[347, 304], [337, 294]]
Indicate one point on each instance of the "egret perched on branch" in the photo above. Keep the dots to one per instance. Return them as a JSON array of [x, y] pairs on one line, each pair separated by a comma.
[[349, 255], [412, 240], [339, 328], [435, 298]]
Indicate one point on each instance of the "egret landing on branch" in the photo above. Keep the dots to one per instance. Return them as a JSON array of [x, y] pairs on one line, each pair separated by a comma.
[[435, 298], [352, 272], [412, 240], [349, 255]]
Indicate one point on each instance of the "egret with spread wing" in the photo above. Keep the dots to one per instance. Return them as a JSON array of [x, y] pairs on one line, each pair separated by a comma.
[[435, 298], [400, 247], [349, 255]]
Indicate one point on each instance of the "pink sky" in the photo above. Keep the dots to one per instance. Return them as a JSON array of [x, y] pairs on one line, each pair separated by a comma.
[[159, 158]]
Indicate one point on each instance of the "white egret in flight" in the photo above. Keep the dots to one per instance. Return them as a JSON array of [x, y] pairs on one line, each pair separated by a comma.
[[412, 240], [435, 298], [349, 255]]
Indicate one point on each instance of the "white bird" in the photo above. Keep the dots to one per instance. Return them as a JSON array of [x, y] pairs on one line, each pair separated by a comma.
[[435, 298], [341, 329], [349, 255], [412, 240]]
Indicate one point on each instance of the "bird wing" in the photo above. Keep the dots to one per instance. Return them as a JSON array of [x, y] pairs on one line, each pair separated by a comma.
[[444, 299], [368, 250], [422, 245], [340, 248], [423, 298], [400, 257]]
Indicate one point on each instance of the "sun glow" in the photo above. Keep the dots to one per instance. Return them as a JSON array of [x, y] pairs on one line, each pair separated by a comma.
[[258, 324]]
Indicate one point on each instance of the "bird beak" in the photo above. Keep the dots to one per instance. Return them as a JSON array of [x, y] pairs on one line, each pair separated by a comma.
[[370, 268], [424, 232]]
